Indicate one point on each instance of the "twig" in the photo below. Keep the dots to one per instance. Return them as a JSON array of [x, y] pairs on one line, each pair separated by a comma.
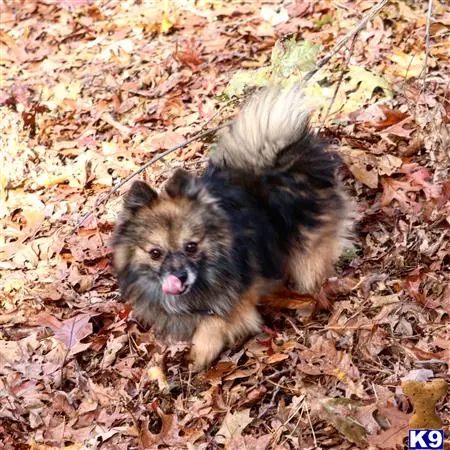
[[297, 330], [279, 373], [290, 417], [64, 361], [292, 431], [123, 129], [341, 78], [361, 25], [219, 110], [310, 424], [427, 44], [103, 199], [405, 81], [142, 93], [431, 361]]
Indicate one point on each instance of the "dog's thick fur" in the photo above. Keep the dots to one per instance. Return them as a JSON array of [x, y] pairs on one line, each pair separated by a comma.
[[195, 259]]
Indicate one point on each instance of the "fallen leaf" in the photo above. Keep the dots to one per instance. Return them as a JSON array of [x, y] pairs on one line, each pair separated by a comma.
[[276, 357], [390, 118], [233, 424], [113, 346], [361, 84], [166, 24], [274, 16], [418, 375], [394, 436], [286, 299], [215, 374], [169, 434], [165, 140], [398, 129], [388, 164], [407, 65], [362, 165], [396, 190], [69, 332], [155, 373], [342, 414], [36, 446], [249, 443]]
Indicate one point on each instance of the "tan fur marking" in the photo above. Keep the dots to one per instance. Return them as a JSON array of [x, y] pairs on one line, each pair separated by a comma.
[[312, 262], [121, 257], [186, 225], [214, 333], [308, 269], [178, 211]]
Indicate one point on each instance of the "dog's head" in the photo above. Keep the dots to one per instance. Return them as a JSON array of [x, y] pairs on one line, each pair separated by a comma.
[[171, 243]]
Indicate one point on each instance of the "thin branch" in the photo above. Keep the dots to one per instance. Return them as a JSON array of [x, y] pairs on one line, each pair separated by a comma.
[[341, 78], [427, 44], [310, 424], [361, 25], [103, 199]]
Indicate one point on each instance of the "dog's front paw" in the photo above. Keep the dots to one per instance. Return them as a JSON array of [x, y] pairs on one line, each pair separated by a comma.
[[208, 341], [205, 352]]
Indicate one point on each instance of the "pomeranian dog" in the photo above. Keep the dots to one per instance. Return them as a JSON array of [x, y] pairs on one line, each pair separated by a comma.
[[195, 259]]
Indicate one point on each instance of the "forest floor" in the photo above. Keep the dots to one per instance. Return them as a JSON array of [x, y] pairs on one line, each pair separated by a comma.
[[90, 90]]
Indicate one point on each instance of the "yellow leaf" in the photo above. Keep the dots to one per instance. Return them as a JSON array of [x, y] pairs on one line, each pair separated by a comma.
[[166, 24], [407, 65], [35, 446], [109, 148], [48, 180], [276, 357], [340, 374], [12, 285], [63, 91], [155, 373]]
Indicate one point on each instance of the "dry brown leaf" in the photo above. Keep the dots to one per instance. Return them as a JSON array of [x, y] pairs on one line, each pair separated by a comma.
[[393, 437], [391, 117], [169, 434], [165, 141], [215, 374], [367, 168], [286, 299], [363, 166], [399, 129], [276, 358], [69, 332], [35, 446], [249, 443], [342, 414], [233, 424]]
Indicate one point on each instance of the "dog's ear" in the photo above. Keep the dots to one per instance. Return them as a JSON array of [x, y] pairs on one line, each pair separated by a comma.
[[139, 196], [183, 184]]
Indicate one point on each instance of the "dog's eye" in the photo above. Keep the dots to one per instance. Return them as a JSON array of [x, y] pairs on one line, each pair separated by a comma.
[[191, 247], [155, 254]]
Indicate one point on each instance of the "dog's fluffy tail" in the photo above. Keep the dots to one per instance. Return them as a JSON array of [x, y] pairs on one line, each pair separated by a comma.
[[262, 135], [270, 152]]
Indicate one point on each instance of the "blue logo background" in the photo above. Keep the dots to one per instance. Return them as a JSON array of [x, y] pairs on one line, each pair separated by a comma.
[[426, 440]]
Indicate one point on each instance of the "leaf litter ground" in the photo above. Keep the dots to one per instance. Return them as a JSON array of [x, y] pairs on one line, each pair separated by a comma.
[[91, 90]]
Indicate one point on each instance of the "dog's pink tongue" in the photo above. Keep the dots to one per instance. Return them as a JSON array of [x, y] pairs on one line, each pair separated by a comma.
[[172, 285]]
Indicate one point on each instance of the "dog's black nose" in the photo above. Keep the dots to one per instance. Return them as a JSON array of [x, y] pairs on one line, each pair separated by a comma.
[[181, 275]]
